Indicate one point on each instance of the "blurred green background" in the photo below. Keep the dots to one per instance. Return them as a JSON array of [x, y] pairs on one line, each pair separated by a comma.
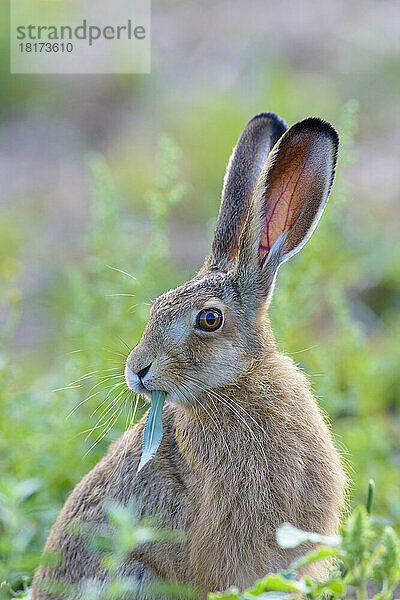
[[103, 174]]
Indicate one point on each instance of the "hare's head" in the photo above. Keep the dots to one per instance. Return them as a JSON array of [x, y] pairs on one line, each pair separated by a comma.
[[207, 333]]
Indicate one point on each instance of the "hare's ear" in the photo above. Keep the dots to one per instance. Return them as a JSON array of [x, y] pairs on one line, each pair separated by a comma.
[[244, 167], [288, 201]]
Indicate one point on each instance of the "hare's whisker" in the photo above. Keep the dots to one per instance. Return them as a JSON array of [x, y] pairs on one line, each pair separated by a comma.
[[235, 411], [255, 438], [204, 431], [110, 406], [112, 403], [104, 380], [113, 351], [83, 377], [81, 402], [123, 341], [106, 431], [303, 350], [100, 382], [114, 387], [111, 295], [67, 387], [219, 428], [121, 271], [197, 415], [123, 453], [212, 418]]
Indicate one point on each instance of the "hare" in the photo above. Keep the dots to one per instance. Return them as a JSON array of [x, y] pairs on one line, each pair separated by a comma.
[[245, 447]]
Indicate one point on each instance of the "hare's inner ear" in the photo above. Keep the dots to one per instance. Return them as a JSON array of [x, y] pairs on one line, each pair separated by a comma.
[[289, 198], [244, 167]]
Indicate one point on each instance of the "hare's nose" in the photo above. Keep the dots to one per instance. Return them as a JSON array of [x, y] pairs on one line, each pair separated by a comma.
[[143, 372]]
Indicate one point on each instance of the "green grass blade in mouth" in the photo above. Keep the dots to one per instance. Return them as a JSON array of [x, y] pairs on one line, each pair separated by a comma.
[[153, 429]]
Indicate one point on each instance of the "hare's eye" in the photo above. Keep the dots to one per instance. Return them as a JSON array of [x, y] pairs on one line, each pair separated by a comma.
[[209, 319]]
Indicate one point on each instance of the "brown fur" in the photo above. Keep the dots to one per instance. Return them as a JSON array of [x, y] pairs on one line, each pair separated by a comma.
[[245, 447]]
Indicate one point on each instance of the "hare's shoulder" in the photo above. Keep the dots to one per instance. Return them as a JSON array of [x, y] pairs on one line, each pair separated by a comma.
[[160, 482], [158, 489]]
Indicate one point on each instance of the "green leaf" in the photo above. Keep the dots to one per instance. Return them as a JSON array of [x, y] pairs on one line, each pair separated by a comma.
[[357, 535], [231, 594], [271, 596], [289, 536], [275, 582], [27, 488], [169, 589], [313, 556], [336, 586], [388, 565], [153, 429], [370, 496]]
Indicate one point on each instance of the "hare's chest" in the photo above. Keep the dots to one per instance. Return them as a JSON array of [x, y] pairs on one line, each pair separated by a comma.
[[231, 538]]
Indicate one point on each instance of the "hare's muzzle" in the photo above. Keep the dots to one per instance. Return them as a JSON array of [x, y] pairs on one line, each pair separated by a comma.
[[137, 369], [132, 380], [136, 381]]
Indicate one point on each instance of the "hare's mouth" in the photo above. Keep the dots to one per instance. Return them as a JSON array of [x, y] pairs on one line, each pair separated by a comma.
[[137, 383]]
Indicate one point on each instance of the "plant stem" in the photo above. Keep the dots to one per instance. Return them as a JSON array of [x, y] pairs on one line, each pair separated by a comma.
[[370, 496]]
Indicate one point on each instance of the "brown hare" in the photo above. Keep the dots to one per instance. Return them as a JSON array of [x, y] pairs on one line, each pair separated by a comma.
[[245, 447]]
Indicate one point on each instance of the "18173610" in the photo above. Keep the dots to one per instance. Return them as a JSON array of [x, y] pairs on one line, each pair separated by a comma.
[[39, 47]]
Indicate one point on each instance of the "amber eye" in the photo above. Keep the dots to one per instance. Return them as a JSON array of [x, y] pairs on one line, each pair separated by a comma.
[[209, 319]]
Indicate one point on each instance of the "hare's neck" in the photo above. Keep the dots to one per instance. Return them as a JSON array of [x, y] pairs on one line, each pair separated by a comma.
[[235, 428], [247, 426]]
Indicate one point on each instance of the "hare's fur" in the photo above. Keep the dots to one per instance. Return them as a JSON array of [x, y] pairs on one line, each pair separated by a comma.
[[245, 447]]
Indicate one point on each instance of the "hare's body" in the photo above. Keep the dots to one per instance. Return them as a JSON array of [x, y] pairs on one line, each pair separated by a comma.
[[285, 469], [244, 447]]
